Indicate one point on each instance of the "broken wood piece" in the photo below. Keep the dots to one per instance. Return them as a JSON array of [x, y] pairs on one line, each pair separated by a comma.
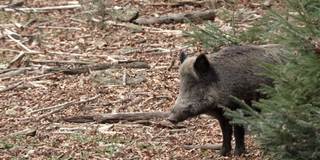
[[14, 72], [10, 87], [178, 18], [79, 119], [10, 33], [59, 62], [60, 107], [65, 105], [206, 146], [116, 117], [57, 27], [181, 3], [17, 60], [102, 66], [26, 132], [130, 116], [43, 9], [148, 29], [55, 53]]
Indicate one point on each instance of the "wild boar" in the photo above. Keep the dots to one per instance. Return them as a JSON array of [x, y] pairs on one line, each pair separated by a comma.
[[210, 80]]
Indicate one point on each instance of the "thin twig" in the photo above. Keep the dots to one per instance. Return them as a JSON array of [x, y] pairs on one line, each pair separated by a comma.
[[66, 104], [17, 59], [8, 32], [55, 53], [57, 27], [59, 62], [10, 87], [60, 107], [43, 9], [150, 29]]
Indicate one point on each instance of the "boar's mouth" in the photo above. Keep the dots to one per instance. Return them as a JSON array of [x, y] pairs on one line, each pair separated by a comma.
[[173, 119], [181, 114]]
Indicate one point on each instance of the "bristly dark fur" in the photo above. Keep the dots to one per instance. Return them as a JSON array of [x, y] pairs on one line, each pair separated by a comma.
[[208, 81]]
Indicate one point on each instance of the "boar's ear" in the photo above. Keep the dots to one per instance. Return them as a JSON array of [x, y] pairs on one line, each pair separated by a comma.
[[203, 68], [202, 65], [182, 56]]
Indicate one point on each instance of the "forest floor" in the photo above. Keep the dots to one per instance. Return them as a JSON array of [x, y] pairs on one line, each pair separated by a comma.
[[30, 129]]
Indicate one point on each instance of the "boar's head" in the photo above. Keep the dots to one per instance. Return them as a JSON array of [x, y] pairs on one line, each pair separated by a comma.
[[198, 88]]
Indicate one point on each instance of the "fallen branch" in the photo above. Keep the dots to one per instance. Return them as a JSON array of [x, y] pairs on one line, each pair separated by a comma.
[[54, 53], [206, 146], [17, 60], [14, 72], [10, 87], [180, 3], [57, 27], [60, 107], [59, 62], [86, 69], [64, 105], [80, 119], [178, 18], [9, 33], [43, 9], [27, 132], [116, 117], [149, 29]]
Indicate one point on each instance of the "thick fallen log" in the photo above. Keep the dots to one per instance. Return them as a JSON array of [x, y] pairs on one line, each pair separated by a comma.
[[205, 146], [178, 18], [102, 66], [116, 117]]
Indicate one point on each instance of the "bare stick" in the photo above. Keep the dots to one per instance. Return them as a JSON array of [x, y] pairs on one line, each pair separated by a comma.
[[43, 9], [66, 105], [10, 87], [56, 27], [8, 32], [116, 117], [15, 72], [16, 60], [26, 132], [150, 29], [178, 18], [55, 53], [59, 62], [206, 146], [180, 3], [86, 69]]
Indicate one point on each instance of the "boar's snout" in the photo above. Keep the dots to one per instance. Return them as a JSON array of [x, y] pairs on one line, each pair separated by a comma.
[[172, 119]]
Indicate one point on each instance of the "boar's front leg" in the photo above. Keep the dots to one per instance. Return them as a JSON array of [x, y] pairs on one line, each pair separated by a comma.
[[226, 133], [239, 138]]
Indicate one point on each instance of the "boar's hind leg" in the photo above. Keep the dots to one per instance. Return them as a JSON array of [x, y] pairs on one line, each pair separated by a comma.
[[226, 133], [239, 137]]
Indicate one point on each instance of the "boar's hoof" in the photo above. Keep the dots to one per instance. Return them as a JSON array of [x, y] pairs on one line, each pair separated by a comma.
[[225, 151], [239, 151]]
